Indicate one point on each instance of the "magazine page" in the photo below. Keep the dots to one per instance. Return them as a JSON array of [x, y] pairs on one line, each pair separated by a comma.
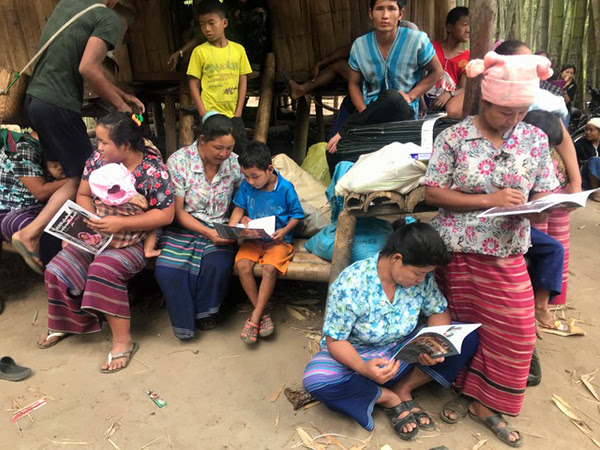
[[69, 225], [439, 341], [266, 223], [575, 200], [227, 232]]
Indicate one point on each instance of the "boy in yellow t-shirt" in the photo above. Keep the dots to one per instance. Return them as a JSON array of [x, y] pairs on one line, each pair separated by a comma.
[[218, 69]]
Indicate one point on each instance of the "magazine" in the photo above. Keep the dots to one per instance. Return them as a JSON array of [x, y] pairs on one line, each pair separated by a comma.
[[69, 225], [554, 201], [437, 342], [261, 229]]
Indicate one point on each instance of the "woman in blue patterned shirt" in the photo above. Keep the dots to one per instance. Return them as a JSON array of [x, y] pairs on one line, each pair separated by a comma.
[[372, 310]]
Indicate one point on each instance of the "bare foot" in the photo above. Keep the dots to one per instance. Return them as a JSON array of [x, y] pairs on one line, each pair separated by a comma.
[[31, 244], [45, 341], [482, 412], [544, 317], [116, 350], [151, 253], [296, 90], [410, 425]]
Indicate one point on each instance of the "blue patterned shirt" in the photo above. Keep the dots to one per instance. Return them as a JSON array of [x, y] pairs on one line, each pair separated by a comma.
[[402, 70], [359, 311], [24, 160]]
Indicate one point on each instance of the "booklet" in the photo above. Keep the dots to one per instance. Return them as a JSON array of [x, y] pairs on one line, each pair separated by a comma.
[[261, 229], [554, 201], [69, 225], [437, 342]]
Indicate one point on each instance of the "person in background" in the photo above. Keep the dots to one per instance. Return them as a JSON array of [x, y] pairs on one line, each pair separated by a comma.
[[567, 73], [588, 156]]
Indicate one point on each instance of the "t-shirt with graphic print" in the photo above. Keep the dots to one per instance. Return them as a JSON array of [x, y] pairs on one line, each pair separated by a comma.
[[219, 71]]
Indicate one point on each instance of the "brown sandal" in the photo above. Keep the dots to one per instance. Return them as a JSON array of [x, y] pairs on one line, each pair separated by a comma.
[[249, 333]]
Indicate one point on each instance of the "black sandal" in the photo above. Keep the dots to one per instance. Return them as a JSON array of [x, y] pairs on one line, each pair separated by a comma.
[[398, 424], [502, 433], [207, 323], [421, 414], [459, 406], [535, 370]]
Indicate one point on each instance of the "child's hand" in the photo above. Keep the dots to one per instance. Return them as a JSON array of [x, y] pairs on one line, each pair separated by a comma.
[[107, 225], [278, 236], [245, 221]]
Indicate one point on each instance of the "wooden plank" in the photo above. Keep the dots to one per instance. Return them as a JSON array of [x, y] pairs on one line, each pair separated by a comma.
[[170, 125], [186, 120], [301, 129], [263, 115]]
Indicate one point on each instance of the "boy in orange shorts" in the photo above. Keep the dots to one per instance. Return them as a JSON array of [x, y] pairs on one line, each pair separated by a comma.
[[263, 193]]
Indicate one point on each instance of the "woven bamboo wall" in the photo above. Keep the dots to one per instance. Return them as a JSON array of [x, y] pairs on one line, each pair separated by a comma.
[[304, 31]]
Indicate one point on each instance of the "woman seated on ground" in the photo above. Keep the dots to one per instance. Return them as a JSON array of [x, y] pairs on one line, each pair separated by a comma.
[[84, 290], [372, 310], [195, 264], [588, 156]]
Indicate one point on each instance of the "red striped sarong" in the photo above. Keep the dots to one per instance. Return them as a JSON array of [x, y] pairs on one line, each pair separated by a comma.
[[558, 227], [497, 293], [81, 288]]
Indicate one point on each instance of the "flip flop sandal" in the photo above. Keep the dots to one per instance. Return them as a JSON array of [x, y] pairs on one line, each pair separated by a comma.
[[11, 371], [52, 334], [249, 333], [207, 323], [28, 256], [502, 433], [459, 406], [128, 354], [535, 370], [422, 414], [266, 326], [398, 424]]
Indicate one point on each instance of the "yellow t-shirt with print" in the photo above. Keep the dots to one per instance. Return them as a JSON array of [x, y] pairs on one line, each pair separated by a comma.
[[219, 70]]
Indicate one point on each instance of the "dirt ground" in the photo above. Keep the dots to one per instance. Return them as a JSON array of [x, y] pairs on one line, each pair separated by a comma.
[[219, 390]]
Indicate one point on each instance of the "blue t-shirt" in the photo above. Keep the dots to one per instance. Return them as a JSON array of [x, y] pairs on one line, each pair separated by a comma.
[[402, 70], [282, 202]]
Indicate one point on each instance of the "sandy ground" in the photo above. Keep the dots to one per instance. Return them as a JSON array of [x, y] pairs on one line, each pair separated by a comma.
[[219, 390]]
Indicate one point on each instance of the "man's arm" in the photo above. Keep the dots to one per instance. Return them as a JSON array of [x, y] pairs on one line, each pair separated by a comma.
[[434, 72], [355, 91], [194, 84], [242, 89], [90, 69], [40, 188]]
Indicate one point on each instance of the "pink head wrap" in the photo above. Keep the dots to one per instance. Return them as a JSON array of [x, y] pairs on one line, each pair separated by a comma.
[[113, 184], [510, 80]]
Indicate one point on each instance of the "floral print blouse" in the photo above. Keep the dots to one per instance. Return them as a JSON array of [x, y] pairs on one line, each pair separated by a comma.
[[359, 311], [205, 201], [465, 161]]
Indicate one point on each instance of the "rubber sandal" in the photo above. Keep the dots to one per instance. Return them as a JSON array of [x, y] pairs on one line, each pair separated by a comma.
[[422, 414], [249, 333], [502, 433], [28, 256], [207, 323], [126, 354], [398, 424], [535, 370], [51, 334], [11, 371], [459, 406], [266, 326]]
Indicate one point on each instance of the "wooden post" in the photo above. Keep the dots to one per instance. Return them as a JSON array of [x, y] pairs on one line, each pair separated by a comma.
[[186, 120], [263, 115], [170, 125], [482, 15], [320, 119], [344, 241], [301, 129]]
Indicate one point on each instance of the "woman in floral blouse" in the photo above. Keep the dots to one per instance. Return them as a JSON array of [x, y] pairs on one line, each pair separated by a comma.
[[194, 267], [372, 310], [492, 159]]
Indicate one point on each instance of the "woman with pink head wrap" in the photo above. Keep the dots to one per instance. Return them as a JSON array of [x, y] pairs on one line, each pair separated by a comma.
[[492, 159]]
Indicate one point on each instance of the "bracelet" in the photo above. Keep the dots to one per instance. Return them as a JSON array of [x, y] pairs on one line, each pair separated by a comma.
[[181, 53]]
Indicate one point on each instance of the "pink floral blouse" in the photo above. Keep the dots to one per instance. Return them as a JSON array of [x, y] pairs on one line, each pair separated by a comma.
[[205, 201], [465, 161]]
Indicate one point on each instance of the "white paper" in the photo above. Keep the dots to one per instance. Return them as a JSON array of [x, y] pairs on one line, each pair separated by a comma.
[[264, 223]]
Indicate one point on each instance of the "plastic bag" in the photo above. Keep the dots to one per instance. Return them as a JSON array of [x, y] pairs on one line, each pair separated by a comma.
[[390, 169], [315, 163]]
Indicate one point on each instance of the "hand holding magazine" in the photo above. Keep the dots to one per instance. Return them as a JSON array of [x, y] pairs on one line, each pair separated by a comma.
[[552, 201], [69, 224], [438, 342], [261, 229]]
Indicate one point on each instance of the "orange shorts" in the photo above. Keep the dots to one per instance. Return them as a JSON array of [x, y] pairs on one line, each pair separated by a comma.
[[267, 253]]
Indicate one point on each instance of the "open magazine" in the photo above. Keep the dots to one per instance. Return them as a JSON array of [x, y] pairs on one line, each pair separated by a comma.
[[69, 225], [554, 201], [261, 229], [437, 342]]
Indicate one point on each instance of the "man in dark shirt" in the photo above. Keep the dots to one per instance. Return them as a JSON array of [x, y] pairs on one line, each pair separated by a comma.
[[55, 96]]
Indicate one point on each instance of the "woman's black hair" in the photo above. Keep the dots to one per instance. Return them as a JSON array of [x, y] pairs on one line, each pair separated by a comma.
[[256, 154], [568, 66], [548, 122], [123, 129], [510, 47], [216, 126], [401, 3], [455, 14], [418, 243]]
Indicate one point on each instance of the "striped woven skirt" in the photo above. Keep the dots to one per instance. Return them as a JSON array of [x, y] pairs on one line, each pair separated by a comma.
[[558, 227], [83, 288], [497, 293], [345, 391], [194, 275]]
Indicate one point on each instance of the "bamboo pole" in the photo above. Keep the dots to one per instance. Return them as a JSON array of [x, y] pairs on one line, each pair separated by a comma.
[[556, 30], [482, 14], [263, 115], [301, 129], [344, 241], [544, 25]]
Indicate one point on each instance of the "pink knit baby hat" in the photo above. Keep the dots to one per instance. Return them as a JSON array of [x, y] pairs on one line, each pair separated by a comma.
[[510, 80], [113, 184]]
